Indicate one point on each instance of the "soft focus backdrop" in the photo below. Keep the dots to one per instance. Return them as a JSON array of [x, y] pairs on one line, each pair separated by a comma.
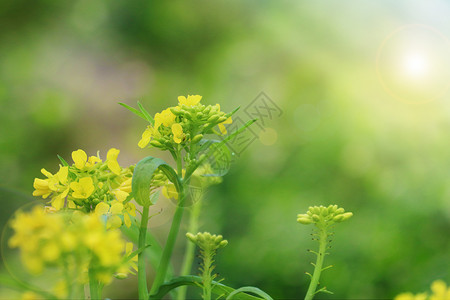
[[362, 86]]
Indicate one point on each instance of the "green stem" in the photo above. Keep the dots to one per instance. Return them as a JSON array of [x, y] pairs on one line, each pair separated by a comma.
[[173, 233], [318, 266], [190, 248], [206, 276], [142, 277], [94, 286]]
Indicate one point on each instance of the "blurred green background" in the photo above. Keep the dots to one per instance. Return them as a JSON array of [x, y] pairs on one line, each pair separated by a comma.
[[365, 124]]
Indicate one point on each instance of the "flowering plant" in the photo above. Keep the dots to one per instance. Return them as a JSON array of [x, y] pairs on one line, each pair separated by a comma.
[[88, 229]]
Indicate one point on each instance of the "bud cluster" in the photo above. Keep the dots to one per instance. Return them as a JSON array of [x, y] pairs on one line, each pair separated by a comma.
[[207, 241], [324, 216]]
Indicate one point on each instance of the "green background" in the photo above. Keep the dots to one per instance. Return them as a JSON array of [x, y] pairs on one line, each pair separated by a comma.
[[369, 142]]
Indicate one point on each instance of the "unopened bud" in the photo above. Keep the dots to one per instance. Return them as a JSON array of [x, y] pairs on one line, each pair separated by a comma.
[[197, 138], [347, 216], [155, 143]]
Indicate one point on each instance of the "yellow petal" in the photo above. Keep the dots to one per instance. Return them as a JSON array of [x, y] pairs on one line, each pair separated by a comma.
[[79, 158], [58, 202], [146, 137], [194, 99], [127, 221], [46, 173], [120, 195], [116, 208], [62, 174], [177, 131], [111, 157], [88, 186], [102, 208], [113, 222]]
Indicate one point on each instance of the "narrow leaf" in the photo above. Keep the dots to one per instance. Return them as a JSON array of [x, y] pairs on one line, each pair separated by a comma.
[[65, 164], [134, 110], [249, 289], [146, 114]]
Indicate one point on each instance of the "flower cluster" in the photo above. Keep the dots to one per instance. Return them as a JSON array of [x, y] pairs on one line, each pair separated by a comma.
[[439, 290], [69, 240], [184, 124], [324, 216], [90, 185]]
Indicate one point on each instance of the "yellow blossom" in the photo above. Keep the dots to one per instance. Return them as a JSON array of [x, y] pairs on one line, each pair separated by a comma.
[[92, 161], [191, 100], [166, 118], [440, 291], [83, 188], [111, 159], [178, 134], [111, 212]]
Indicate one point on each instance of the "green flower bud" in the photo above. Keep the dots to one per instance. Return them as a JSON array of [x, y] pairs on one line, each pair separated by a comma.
[[304, 220], [157, 144], [197, 138], [222, 119], [315, 218], [340, 211], [338, 218], [347, 216], [176, 111], [213, 119], [223, 243]]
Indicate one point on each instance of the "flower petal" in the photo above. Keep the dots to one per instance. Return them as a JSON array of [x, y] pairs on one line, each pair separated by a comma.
[[79, 158]]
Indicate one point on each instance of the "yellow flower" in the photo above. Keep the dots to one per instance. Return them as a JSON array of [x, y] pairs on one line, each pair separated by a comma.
[[82, 189], [111, 159], [53, 183], [81, 160], [41, 188], [177, 131], [191, 100], [440, 291], [111, 212], [146, 137], [166, 118]]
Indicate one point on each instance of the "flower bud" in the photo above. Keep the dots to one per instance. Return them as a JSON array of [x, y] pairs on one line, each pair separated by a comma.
[[304, 220], [315, 218], [213, 119], [347, 216], [176, 111], [155, 143], [338, 218], [340, 211], [197, 138], [222, 119]]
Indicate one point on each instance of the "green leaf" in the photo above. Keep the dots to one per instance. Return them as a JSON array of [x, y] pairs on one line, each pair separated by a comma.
[[249, 289], [218, 289], [65, 164], [233, 112], [146, 114], [142, 176], [19, 285], [134, 110]]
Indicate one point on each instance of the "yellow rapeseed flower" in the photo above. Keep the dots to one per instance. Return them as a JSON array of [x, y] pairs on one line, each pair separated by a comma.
[[111, 160], [166, 118], [440, 291], [83, 188], [191, 100], [222, 125]]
